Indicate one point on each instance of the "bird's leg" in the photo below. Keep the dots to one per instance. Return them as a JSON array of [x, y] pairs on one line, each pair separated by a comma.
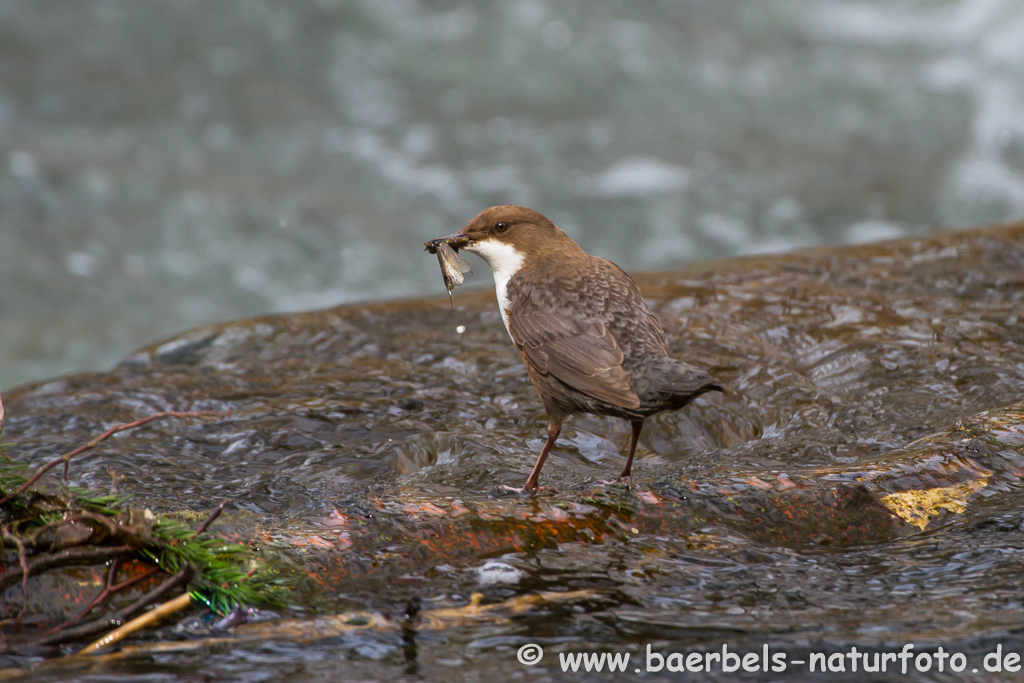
[[637, 426], [624, 476], [532, 483]]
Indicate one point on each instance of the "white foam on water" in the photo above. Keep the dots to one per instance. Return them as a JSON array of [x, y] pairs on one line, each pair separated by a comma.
[[873, 231], [972, 47], [638, 176], [494, 572]]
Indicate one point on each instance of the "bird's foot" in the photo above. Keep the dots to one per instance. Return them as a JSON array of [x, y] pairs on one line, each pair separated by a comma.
[[524, 491], [626, 480]]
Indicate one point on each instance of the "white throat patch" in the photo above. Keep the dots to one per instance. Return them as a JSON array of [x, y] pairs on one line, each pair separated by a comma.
[[505, 261]]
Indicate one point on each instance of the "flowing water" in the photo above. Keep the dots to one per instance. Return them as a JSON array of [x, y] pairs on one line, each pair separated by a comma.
[[857, 486], [165, 165]]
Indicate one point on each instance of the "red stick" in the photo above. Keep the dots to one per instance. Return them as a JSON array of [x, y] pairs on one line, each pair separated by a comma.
[[202, 415], [209, 520], [108, 590]]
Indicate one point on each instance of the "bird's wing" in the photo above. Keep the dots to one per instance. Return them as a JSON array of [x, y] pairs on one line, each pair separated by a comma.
[[580, 353]]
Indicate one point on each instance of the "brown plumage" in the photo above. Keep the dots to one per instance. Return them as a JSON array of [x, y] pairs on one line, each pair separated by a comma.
[[588, 339]]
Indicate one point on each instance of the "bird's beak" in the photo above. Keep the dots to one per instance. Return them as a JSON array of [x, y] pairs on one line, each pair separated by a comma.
[[454, 240]]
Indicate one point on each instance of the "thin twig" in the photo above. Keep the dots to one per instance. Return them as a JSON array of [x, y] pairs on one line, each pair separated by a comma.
[[106, 589], [135, 579], [109, 589], [1, 414], [39, 531], [179, 577], [99, 625], [209, 520], [152, 616], [23, 562], [63, 558], [66, 458], [115, 480], [115, 529], [159, 647]]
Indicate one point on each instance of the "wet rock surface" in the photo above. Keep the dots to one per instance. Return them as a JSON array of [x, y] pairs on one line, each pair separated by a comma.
[[859, 482]]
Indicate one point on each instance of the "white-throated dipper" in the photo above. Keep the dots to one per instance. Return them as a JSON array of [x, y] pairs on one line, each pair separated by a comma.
[[589, 341]]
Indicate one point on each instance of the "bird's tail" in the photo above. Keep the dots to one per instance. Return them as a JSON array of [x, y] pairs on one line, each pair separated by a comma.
[[684, 380]]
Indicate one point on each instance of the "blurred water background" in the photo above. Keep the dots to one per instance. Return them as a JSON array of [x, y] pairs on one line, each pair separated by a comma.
[[168, 164]]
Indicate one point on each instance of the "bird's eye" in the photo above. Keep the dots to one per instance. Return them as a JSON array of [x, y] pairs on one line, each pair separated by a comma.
[[501, 227]]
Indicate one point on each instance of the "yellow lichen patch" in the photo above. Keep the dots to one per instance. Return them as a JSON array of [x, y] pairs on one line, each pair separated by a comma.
[[919, 507]]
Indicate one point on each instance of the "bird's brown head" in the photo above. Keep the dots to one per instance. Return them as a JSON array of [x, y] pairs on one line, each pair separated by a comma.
[[508, 236]]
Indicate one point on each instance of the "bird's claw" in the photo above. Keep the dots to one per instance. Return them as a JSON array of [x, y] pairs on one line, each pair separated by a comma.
[[524, 491], [628, 481]]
